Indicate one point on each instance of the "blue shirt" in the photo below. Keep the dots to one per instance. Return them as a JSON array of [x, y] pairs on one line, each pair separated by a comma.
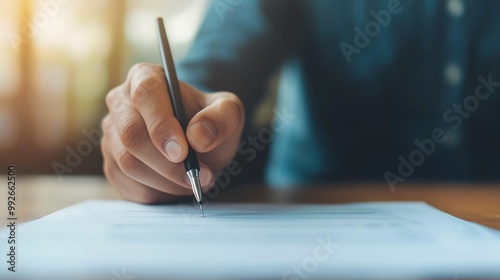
[[388, 90]]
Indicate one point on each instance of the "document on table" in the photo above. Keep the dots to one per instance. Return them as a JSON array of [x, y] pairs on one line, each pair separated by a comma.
[[122, 240]]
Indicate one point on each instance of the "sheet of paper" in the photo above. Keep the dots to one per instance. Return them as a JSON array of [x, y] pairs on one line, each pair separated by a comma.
[[123, 240]]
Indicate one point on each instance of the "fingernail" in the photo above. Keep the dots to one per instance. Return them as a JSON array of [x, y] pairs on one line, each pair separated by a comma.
[[208, 132], [173, 149]]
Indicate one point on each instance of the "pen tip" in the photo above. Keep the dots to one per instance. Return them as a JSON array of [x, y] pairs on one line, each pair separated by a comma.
[[202, 212]]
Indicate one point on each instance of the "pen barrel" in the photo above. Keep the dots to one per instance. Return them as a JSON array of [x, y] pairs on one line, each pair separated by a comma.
[[191, 161], [174, 91]]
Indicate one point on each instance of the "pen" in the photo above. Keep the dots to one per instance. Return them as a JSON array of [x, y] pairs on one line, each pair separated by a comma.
[[191, 163]]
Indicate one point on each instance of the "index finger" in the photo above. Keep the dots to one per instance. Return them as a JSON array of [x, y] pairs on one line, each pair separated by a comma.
[[148, 93]]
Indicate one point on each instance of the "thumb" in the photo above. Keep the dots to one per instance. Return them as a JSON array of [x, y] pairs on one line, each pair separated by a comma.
[[221, 120]]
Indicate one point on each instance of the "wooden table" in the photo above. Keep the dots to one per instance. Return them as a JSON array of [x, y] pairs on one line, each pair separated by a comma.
[[38, 196]]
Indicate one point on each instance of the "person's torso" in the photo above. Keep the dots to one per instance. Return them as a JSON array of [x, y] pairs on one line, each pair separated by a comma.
[[372, 78]]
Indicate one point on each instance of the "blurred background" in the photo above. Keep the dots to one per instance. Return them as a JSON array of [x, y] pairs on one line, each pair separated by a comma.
[[59, 58]]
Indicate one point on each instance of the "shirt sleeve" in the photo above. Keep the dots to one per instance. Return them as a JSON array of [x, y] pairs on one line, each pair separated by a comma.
[[239, 46]]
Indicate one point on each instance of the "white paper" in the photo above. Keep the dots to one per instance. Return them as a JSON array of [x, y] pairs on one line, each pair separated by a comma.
[[122, 240]]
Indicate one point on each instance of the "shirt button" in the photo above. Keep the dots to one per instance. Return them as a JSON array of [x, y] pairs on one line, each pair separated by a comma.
[[455, 7], [453, 74]]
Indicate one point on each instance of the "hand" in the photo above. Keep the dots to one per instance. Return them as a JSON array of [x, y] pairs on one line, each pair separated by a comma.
[[143, 143]]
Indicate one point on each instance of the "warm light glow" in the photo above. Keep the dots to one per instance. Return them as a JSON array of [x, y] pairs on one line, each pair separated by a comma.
[[58, 59], [91, 41], [138, 29], [182, 27], [9, 75]]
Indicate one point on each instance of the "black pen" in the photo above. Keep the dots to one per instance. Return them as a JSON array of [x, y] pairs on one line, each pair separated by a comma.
[[191, 163]]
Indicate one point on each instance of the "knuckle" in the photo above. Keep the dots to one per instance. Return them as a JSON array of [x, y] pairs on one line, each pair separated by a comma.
[[235, 103], [158, 127], [143, 89], [106, 124], [137, 68], [142, 67], [131, 133], [129, 164], [233, 109], [110, 98], [147, 78], [115, 98]]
